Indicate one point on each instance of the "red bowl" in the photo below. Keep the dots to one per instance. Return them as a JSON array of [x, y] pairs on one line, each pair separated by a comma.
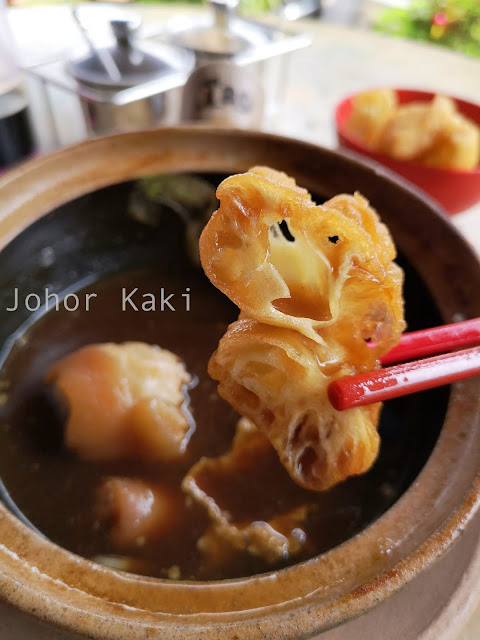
[[455, 190]]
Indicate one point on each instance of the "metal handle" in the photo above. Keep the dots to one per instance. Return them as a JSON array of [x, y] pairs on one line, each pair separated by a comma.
[[102, 54], [124, 31], [222, 11]]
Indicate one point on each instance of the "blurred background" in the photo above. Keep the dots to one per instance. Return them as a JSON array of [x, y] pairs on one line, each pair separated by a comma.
[[69, 71], [449, 23]]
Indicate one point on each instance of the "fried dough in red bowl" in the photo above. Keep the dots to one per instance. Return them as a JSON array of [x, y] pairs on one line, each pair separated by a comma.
[[455, 189]]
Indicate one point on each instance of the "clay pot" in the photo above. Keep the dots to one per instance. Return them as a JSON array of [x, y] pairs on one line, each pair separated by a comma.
[[76, 596]]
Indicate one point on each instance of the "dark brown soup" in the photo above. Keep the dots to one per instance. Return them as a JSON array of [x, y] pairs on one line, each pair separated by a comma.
[[91, 245]]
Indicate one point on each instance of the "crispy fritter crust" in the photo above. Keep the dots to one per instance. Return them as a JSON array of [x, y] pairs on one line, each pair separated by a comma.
[[308, 307]]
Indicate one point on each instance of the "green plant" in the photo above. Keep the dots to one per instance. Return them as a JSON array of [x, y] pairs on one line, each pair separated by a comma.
[[449, 23], [258, 6]]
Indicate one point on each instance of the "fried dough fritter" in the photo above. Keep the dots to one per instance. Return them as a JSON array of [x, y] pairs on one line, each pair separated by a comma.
[[267, 523], [371, 112], [309, 303], [339, 264], [416, 127], [432, 133], [457, 148], [278, 379]]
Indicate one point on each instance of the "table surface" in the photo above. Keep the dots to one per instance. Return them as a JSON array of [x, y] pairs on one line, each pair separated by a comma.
[[340, 61]]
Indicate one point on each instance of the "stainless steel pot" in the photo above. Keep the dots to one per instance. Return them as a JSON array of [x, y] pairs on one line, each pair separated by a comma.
[[240, 66], [211, 66], [123, 87], [221, 90]]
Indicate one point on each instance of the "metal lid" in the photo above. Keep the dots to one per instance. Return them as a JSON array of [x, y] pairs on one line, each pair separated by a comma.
[[123, 65], [220, 38]]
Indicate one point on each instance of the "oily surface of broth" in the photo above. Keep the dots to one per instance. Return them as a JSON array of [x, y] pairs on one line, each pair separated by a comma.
[[56, 490]]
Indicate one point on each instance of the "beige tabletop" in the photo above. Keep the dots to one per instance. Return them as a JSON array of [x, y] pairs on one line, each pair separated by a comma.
[[339, 61]]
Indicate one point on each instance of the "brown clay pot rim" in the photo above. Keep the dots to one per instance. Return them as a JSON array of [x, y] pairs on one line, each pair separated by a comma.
[[41, 578]]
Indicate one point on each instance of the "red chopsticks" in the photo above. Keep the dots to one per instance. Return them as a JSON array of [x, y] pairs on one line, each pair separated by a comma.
[[406, 378], [426, 342]]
